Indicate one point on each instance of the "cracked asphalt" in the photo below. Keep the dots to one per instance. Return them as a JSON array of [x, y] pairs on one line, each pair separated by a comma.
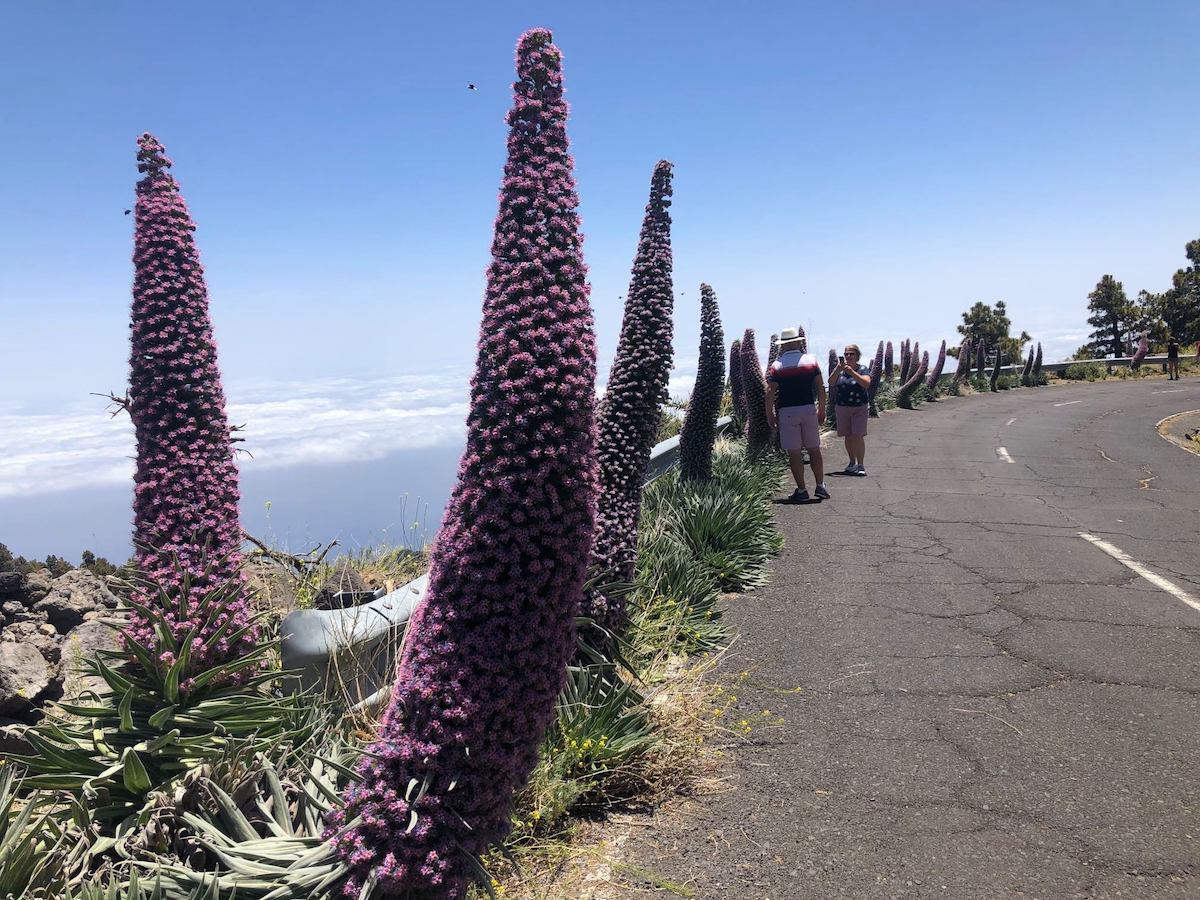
[[967, 698]]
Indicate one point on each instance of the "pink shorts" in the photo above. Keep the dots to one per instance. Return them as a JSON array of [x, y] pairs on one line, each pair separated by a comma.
[[852, 420], [799, 428]]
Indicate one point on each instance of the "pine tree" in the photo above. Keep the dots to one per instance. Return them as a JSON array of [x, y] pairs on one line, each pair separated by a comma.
[[1112, 317]]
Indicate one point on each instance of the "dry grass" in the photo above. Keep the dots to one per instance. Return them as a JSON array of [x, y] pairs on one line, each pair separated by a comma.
[[576, 856]]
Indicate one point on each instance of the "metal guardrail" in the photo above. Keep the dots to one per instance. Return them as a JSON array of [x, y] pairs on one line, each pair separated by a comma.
[[1113, 362], [355, 649]]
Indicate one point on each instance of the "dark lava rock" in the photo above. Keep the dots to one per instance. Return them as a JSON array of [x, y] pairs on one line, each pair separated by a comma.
[[12, 584]]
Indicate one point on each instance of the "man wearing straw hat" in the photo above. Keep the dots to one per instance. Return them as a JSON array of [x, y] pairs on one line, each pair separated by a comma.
[[796, 406]]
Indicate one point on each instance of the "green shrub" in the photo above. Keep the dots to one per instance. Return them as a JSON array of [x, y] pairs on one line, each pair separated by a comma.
[[885, 397], [1008, 382], [1085, 371]]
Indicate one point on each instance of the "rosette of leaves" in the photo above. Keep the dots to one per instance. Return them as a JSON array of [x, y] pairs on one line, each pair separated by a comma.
[[737, 389], [876, 373], [1027, 371], [262, 834], [185, 499], [994, 379], [1143, 348], [487, 650], [154, 718], [699, 431], [935, 374], [904, 396], [887, 362], [43, 852], [758, 429], [628, 420]]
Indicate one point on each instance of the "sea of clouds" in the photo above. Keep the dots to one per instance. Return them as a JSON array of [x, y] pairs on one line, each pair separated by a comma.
[[307, 422], [286, 423]]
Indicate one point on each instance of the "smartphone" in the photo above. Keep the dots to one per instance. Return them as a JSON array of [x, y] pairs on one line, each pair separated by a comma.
[[841, 360]]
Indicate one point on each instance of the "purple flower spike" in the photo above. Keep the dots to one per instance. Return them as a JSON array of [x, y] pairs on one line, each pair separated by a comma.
[[628, 420], [965, 351], [887, 362], [935, 374], [830, 407], [905, 360], [1037, 363], [904, 394], [1027, 371], [876, 372], [185, 497], [981, 357], [487, 650], [737, 387], [758, 429], [700, 424], [772, 353]]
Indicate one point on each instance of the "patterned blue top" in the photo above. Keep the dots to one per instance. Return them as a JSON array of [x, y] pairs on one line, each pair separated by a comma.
[[848, 391]]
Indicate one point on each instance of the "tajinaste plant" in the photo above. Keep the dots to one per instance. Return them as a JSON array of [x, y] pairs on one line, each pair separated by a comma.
[[935, 374], [487, 649], [772, 351], [1027, 372], [1143, 348], [185, 499], [758, 429], [981, 357], [904, 396], [628, 419], [873, 387], [1037, 364], [905, 358], [963, 372], [700, 422], [737, 388], [995, 379], [887, 362], [830, 411]]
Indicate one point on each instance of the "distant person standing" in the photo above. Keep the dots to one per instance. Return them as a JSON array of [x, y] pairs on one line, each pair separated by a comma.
[[848, 384], [1172, 357], [796, 406]]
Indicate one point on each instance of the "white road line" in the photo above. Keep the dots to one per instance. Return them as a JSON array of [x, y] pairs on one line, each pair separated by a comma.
[[1133, 565], [1003, 453], [1172, 391], [1010, 421], [1068, 402]]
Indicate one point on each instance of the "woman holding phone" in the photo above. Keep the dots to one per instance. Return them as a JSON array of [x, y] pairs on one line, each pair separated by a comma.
[[848, 384]]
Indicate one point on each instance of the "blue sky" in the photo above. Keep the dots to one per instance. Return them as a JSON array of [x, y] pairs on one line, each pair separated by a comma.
[[866, 169]]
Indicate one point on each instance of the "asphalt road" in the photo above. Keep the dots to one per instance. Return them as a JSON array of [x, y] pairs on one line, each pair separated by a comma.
[[989, 704]]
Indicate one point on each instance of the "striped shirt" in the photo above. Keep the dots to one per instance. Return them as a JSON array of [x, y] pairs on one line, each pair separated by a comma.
[[796, 376]]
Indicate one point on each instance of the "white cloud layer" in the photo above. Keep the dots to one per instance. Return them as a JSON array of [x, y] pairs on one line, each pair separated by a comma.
[[329, 420], [287, 423]]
